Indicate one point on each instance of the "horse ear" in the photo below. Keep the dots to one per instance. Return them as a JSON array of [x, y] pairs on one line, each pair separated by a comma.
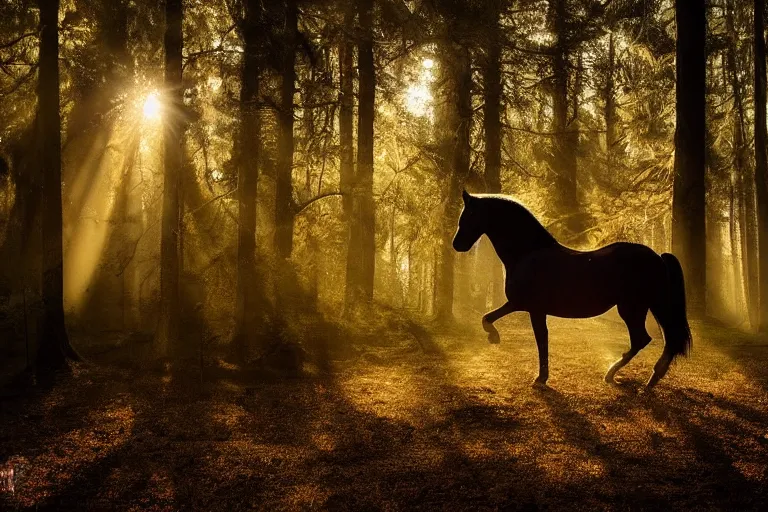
[[465, 196]]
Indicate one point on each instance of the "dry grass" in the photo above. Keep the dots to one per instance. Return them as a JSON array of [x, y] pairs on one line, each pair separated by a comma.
[[435, 421]]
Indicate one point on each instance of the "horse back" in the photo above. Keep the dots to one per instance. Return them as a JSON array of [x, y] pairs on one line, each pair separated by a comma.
[[570, 283]]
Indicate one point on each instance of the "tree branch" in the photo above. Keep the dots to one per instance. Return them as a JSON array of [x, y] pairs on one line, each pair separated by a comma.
[[21, 81], [299, 208], [13, 42], [220, 196]]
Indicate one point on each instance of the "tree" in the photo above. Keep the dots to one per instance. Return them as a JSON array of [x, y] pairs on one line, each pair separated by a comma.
[[688, 206], [54, 348], [361, 254], [454, 124], [563, 121], [247, 177], [761, 160], [492, 96], [284, 204], [610, 102], [347, 112], [743, 183], [173, 136]]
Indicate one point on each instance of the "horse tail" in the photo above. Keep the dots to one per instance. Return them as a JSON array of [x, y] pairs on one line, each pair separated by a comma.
[[670, 310]]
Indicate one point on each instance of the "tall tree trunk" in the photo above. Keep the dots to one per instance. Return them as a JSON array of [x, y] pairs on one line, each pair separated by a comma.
[[361, 257], [455, 146], [746, 281], [394, 265], [750, 245], [54, 347], [284, 207], [346, 113], [168, 330], [492, 129], [688, 202], [610, 103], [564, 158], [247, 178], [761, 161]]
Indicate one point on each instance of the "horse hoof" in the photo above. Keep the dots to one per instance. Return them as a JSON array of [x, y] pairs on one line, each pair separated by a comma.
[[609, 379], [539, 383], [494, 338]]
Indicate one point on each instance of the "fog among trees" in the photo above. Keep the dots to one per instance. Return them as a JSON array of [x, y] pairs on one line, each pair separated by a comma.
[[230, 278], [244, 167]]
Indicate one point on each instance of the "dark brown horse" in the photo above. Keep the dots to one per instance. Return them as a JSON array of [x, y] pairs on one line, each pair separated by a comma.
[[544, 278]]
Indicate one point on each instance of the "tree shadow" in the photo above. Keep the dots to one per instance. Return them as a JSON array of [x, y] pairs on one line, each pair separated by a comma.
[[140, 438], [239, 440], [702, 469], [741, 348]]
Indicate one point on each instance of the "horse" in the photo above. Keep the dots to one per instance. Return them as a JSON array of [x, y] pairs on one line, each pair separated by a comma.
[[545, 278]]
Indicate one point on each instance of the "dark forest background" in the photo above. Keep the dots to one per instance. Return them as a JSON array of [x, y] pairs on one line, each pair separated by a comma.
[[256, 175]]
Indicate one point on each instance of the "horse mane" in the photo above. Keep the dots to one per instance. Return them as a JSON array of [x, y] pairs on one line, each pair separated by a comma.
[[506, 207]]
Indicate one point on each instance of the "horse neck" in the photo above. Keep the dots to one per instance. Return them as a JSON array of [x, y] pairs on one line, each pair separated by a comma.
[[510, 246]]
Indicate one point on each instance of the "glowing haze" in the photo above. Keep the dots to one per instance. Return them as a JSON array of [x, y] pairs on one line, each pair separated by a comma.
[[152, 107]]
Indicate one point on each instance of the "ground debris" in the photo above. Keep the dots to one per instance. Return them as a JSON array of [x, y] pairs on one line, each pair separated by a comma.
[[459, 427]]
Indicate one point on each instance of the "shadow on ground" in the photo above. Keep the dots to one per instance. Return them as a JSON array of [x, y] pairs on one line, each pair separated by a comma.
[[421, 421]]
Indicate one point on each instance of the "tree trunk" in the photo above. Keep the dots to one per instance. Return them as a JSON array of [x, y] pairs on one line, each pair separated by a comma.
[[610, 103], [54, 347], [750, 245], [492, 129], [688, 202], [761, 161], [747, 264], [393, 262], [455, 146], [346, 114], [284, 208], [361, 258], [247, 177], [564, 157], [168, 330]]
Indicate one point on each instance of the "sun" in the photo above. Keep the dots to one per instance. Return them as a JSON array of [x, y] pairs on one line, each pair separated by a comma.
[[418, 97], [152, 107]]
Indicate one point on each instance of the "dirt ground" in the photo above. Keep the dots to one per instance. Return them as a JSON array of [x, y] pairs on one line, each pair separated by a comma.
[[427, 421]]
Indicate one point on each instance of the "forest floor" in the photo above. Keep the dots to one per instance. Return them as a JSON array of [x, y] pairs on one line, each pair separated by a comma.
[[421, 420]]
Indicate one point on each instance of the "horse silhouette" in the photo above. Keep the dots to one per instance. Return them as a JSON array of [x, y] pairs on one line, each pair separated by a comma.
[[543, 278]]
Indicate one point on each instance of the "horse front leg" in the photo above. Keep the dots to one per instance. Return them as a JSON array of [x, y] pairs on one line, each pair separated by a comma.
[[491, 317], [541, 333]]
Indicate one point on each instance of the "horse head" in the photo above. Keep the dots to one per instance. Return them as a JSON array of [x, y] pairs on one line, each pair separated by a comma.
[[471, 223]]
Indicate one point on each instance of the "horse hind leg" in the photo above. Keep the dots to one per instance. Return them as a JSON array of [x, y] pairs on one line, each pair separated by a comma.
[[639, 338], [659, 369]]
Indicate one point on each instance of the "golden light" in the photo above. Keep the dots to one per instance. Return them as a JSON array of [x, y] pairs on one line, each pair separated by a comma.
[[417, 97], [152, 107], [418, 100], [214, 83]]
